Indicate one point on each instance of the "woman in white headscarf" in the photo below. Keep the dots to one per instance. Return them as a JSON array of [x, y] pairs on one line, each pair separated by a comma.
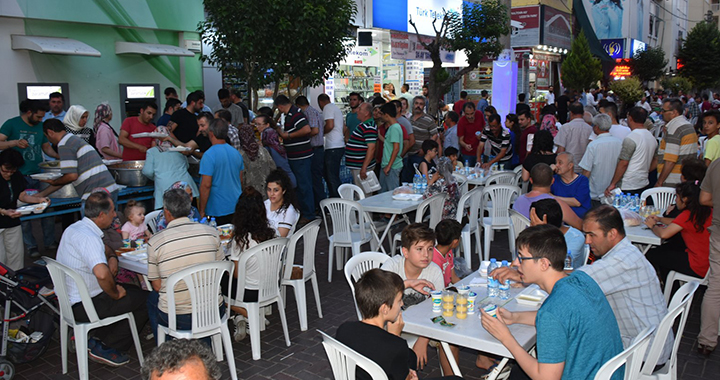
[[75, 123]]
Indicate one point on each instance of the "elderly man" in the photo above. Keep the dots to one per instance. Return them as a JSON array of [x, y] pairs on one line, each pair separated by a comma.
[[618, 130], [181, 245], [424, 126], [226, 104], [637, 156], [221, 170], [82, 249], [541, 178], [570, 187], [600, 159], [360, 148], [680, 142], [181, 359], [573, 136]]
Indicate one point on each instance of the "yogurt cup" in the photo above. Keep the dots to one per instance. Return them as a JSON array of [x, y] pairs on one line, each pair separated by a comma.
[[463, 290], [436, 301], [491, 310], [471, 297]]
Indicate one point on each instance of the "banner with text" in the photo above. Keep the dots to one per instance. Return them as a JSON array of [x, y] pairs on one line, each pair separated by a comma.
[[406, 46]]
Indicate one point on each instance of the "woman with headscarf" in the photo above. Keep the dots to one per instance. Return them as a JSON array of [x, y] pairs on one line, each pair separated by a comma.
[[271, 141], [166, 168], [106, 139], [442, 181], [160, 221], [258, 162], [75, 123]]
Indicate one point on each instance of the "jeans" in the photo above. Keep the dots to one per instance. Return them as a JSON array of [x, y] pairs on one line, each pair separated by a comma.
[[470, 159], [47, 224], [333, 157], [182, 321], [303, 175], [390, 181], [318, 169]]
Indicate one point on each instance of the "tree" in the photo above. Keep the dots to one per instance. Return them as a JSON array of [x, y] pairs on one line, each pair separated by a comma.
[[699, 55], [629, 91], [676, 85], [476, 32], [580, 70], [265, 41], [649, 64]]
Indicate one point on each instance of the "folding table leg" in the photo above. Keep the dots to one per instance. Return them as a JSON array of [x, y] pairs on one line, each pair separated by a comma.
[[451, 359], [493, 375]]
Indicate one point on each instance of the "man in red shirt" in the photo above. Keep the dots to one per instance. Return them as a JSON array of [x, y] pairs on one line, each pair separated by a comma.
[[135, 148], [469, 127], [458, 106], [525, 120]]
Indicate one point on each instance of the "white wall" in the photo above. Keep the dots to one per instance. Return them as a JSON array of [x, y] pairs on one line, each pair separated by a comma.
[[15, 64]]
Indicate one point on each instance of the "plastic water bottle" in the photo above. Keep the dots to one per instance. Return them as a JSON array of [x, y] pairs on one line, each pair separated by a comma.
[[568, 261], [616, 201], [636, 203], [504, 290], [213, 223], [492, 284], [423, 184], [467, 167], [416, 184]]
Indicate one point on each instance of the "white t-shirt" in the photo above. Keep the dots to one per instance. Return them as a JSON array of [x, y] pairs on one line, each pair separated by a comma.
[[550, 98], [334, 139], [616, 130], [432, 273], [281, 218], [252, 271]]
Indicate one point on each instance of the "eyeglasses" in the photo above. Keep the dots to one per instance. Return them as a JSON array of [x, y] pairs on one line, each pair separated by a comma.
[[520, 259], [664, 110]]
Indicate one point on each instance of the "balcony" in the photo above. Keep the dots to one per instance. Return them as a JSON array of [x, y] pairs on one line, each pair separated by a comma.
[[715, 7]]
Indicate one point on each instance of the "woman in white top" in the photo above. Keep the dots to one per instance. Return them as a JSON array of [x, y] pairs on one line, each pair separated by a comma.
[[250, 230], [281, 213]]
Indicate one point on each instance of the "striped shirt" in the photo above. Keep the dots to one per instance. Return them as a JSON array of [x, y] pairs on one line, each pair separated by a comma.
[[297, 148], [181, 245], [316, 120], [424, 129], [357, 146], [680, 142], [498, 143], [81, 248], [77, 156]]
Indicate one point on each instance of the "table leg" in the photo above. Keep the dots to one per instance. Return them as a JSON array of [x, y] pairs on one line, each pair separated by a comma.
[[644, 248], [495, 373], [385, 233], [451, 359]]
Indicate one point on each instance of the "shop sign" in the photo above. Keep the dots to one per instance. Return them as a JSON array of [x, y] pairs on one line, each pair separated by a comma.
[[621, 72], [557, 31], [363, 56], [526, 26], [406, 46], [422, 12], [614, 47], [637, 46]]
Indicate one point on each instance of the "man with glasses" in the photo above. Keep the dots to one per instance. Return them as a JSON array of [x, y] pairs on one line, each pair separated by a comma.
[[576, 331], [678, 143], [470, 125]]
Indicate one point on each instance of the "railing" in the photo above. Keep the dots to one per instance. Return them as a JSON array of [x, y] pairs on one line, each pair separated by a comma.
[[715, 7]]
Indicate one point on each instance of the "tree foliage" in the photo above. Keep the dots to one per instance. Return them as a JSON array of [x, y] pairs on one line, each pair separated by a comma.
[[699, 55], [580, 70], [476, 32], [265, 41], [676, 85], [649, 64], [629, 90]]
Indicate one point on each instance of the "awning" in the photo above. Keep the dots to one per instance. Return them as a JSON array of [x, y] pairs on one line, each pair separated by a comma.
[[53, 45], [151, 49]]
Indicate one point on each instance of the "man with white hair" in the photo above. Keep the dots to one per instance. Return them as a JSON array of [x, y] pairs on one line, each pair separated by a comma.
[[600, 159]]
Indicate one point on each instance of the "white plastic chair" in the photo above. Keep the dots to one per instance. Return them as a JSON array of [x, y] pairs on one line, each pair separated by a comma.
[[344, 360], [631, 358], [518, 176], [435, 206], [462, 182], [662, 197], [518, 222], [499, 219], [679, 308], [343, 234], [268, 257], [60, 275], [677, 276], [203, 284], [151, 220], [355, 193], [309, 234], [474, 199], [358, 265], [502, 178]]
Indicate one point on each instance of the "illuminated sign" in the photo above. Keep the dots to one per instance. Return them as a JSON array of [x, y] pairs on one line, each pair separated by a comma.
[[621, 71], [140, 92], [614, 47], [41, 92]]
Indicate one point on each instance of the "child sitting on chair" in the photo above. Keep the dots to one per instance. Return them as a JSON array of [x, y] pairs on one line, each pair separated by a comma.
[[447, 233], [135, 227]]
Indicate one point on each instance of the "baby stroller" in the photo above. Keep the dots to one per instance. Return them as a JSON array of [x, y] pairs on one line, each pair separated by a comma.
[[24, 295]]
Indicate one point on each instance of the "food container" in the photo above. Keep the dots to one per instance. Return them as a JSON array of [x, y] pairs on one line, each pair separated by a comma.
[[491, 310], [127, 243], [436, 301], [67, 191], [461, 308], [472, 296], [129, 173]]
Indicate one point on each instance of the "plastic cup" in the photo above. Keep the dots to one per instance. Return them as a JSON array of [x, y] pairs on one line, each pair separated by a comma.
[[127, 243], [491, 310], [463, 290], [448, 297], [472, 296], [436, 301], [139, 242], [448, 309], [461, 311]]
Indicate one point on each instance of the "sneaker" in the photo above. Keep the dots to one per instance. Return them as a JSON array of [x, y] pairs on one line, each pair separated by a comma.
[[108, 356], [241, 327], [34, 253]]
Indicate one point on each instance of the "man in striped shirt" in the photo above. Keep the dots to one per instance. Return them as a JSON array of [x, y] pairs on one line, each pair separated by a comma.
[[80, 163], [680, 142], [360, 148], [295, 133]]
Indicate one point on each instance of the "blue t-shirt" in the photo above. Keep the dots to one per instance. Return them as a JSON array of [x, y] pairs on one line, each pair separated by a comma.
[[224, 163], [576, 325], [575, 241], [579, 189]]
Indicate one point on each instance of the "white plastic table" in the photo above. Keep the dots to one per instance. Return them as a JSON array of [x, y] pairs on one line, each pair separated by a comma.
[[384, 203], [469, 332], [642, 237], [140, 267]]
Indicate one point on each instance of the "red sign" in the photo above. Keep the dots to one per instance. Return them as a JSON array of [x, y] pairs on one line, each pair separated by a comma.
[[621, 71]]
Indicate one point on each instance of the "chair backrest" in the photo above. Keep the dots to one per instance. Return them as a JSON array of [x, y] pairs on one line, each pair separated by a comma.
[[474, 198], [343, 215], [269, 259], [151, 220], [518, 176], [500, 196], [631, 357], [358, 265], [679, 308], [61, 275], [462, 182], [435, 205], [344, 360], [503, 178], [351, 192], [518, 222], [309, 234], [662, 197], [203, 284]]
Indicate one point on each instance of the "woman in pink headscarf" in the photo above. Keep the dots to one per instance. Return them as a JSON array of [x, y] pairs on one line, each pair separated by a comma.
[[106, 139]]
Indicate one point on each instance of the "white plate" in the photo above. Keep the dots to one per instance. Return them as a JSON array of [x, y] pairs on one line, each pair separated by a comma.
[[25, 210], [112, 162], [179, 149], [49, 176], [150, 134], [531, 296], [407, 197]]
